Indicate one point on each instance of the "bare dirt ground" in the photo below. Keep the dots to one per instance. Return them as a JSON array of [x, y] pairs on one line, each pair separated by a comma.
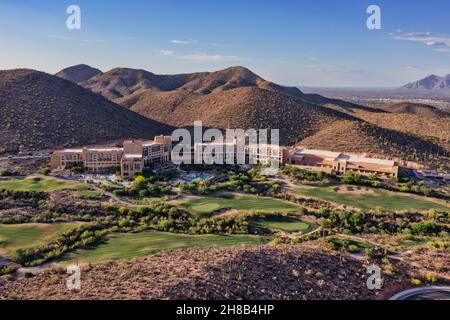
[[306, 271], [430, 261]]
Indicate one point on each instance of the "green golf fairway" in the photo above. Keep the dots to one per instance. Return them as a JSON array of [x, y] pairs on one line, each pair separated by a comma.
[[371, 200], [207, 205], [131, 245], [13, 237], [41, 185], [286, 224]]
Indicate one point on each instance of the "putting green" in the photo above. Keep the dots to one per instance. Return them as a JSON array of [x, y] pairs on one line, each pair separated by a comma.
[[286, 224], [206, 207], [130, 245], [372, 199]]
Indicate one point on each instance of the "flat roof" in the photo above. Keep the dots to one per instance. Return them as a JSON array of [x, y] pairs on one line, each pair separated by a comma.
[[132, 155], [356, 158], [100, 149], [343, 156], [71, 150], [150, 143], [323, 153], [213, 144]]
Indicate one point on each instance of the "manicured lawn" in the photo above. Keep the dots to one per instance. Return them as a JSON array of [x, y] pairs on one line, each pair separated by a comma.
[[41, 184], [131, 245], [207, 205], [286, 224], [29, 235], [371, 200]]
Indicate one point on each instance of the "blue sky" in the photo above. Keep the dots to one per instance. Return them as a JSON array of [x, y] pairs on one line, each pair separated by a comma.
[[298, 42]]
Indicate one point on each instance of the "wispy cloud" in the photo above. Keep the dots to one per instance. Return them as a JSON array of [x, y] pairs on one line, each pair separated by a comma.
[[195, 41], [204, 57], [189, 41], [199, 57], [408, 67], [438, 42], [165, 52], [76, 39]]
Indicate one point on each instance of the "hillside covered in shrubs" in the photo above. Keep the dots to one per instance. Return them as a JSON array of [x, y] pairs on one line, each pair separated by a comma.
[[40, 111]]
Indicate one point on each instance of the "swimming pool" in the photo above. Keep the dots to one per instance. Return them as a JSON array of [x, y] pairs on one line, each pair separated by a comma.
[[201, 176]]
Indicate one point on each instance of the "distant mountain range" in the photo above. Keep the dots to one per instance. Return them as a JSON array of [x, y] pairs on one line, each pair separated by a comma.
[[231, 98], [430, 83]]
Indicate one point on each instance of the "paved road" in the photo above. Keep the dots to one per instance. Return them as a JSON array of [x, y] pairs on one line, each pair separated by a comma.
[[424, 293]]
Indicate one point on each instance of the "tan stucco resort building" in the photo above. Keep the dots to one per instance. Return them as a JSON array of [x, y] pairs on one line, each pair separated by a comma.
[[135, 155], [130, 159]]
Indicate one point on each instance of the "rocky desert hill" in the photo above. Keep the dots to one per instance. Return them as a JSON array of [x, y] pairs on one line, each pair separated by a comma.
[[122, 82], [230, 98], [78, 73], [301, 272], [41, 111], [129, 86], [425, 123], [245, 99], [244, 107], [418, 109], [367, 138]]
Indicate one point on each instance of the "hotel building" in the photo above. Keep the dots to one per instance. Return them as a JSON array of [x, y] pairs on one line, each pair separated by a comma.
[[261, 153], [308, 159], [336, 162], [130, 159], [135, 155]]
